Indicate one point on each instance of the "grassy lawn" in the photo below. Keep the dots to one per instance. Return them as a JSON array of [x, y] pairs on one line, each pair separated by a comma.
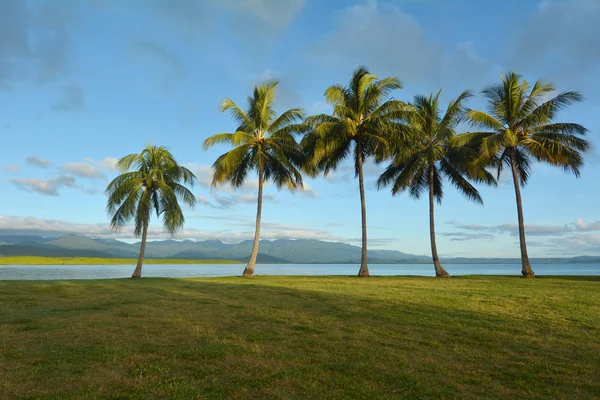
[[26, 260], [301, 337]]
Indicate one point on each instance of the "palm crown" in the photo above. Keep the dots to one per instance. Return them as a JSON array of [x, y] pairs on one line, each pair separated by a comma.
[[263, 142], [362, 115], [154, 184], [520, 120], [431, 145]]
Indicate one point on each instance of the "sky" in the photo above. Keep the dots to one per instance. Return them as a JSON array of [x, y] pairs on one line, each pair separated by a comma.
[[84, 83]]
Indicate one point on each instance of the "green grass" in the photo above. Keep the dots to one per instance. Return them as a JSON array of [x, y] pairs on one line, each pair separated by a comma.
[[27, 260], [301, 337]]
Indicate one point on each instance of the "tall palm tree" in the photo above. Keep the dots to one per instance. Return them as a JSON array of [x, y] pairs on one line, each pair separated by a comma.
[[521, 128], [430, 155], [263, 142], [362, 125], [154, 183]]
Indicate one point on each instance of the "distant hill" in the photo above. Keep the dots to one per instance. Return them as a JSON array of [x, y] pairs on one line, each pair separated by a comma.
[[304, 251], [16, 250], [266, 259]]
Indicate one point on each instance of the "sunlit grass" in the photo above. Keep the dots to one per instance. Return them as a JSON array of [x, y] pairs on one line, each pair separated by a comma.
[[301, 337], [26, 260]]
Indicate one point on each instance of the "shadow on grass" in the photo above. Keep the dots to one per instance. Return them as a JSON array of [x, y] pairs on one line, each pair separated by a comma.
[[321, 337]]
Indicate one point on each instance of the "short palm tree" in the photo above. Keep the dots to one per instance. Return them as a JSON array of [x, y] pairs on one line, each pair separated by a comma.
[[154, 183], [362, 125], [429, 155], [263, 142], [521, 128]]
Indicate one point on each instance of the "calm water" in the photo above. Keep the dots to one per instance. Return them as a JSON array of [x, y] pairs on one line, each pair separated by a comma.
[[12, 272]]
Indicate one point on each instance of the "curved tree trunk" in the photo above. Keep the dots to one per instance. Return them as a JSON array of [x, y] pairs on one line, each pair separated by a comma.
[[249, 270], [440, 272], [364, 269], [526, 269], [137, 273]]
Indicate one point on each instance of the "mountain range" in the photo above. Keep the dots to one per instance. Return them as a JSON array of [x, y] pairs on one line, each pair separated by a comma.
[[271, 251]]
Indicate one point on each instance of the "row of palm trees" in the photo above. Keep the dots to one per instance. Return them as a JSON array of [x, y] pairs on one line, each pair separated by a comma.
[[418, 140]]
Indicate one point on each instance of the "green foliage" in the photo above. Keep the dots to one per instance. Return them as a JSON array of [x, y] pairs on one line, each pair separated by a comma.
[[520, 127], [262, 141], [155, 183], [431, 143], [364, 123], [299, 337]]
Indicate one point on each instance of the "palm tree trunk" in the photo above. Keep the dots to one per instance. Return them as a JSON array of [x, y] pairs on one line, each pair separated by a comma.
[[364, 269], [137, 273], [440, 272], [249, 270], [526, 269]]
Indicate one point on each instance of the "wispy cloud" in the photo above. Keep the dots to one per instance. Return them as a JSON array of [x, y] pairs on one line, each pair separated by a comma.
[[12, 168], [226, 202], [38, 162], [72, 99], [562, 36], [90, 168], [277, 14], [171, 69], [44, 59], [578, 236], [82, 170], [462, 236], [363, 32], [49, 187], [48, 227], [513, 229]]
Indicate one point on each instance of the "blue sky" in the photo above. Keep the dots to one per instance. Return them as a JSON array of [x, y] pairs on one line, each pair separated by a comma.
[[84, 83]]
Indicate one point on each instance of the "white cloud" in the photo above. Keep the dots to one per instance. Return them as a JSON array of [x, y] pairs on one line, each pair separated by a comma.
[[203, 200], [568, 233], [90, 168], [82, 170], [12, 168], [204, 175], [109, 164], [584, 226], [47, 187], [232, 201], [47, 227], [513, 229], [38, 162], [582, 243], [308, 191]]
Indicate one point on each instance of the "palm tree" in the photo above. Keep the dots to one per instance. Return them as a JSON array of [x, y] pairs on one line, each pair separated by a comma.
[[430, 155], [362, 126], [263, 142], [154, 183], [521, 128]]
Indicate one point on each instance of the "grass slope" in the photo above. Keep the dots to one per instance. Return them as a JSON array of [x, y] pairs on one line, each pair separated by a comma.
[[32, 260], [301, 337]]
